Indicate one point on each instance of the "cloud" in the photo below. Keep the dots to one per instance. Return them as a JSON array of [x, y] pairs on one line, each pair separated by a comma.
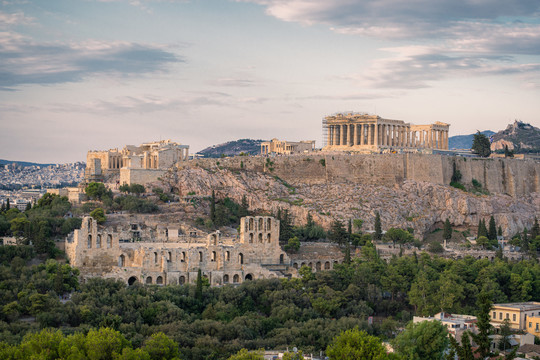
[[23, 61], [12, 19], [396, 18]]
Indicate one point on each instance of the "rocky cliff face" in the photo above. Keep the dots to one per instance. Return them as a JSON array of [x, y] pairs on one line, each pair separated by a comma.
[[420, 205]]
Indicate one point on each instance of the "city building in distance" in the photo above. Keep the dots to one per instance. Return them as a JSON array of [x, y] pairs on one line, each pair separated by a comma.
[[283, 147], [135, 164], [363, 132]]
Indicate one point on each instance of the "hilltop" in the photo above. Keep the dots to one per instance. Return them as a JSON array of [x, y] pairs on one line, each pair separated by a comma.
[[232, 148], [519, 136], [21, 163]]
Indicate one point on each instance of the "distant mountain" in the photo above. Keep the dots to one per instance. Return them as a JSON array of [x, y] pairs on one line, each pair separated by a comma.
[[519, 137], [231, 148], [464, 141], [21, 163]]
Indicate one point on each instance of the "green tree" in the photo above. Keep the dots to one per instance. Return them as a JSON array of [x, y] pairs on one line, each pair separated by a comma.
[[160, 347], [96, 191], [338, 233], [398, 236], [137, 189], [293, 245], [482, 241], [535, 230], [8, 205], [423, 340], [505, 331], [481, 145], [447, 230], [356, 344], [244, 354], [42, 345], [377, 235], [105, 344], [492, 232], [483, 323], [482, 230], [299, 355], [99, 215]]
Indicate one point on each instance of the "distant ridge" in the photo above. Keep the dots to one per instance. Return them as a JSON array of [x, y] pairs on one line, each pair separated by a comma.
[[22, 163], [232, 148], [465, 141], [519, 136]]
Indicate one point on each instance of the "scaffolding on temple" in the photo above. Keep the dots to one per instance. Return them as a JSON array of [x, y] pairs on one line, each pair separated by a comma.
[[325, 131]]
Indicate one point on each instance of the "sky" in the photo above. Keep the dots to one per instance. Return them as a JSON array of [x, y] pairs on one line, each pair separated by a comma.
[[79, 75]]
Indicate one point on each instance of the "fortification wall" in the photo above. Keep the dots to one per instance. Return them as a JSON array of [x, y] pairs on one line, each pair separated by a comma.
[[506, 176]]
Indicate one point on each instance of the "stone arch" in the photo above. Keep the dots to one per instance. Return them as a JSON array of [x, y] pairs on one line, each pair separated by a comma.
[[225, 279], [200, 256], [98, 241], [281, 258], [249, 277], [214, 239], [250, 238], [236, 279], [261, 226], [170, 256], [269, 237], [260, 238], [182, 280], [227, 256], [132, 280], [89, 244], [310, 265], [241, 258], [183, 258], [327, 265], [214, 256], [149, 280], [90, 225], [250, 224], [155, 257], [109, 241], [318, 266], [121, 261], [268, 224], [159, 280], [295, 265], [335, 262]]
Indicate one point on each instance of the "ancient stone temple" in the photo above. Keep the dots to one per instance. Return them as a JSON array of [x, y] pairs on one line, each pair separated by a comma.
[[282, 147], [357, 132], [164, 255], [135, 164]]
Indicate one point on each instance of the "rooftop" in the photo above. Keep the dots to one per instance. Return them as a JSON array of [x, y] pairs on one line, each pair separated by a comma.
[[524, 306]]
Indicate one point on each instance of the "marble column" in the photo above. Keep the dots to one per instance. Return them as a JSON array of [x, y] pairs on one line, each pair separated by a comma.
[[376, 129], [334, 135], [329, 140]]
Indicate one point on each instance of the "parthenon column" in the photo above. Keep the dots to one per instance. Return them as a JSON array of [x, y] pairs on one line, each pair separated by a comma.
[[355, 134], [329, 139], [362, 129], [334, 135], [446, 140], [376, 130], [343, 135]]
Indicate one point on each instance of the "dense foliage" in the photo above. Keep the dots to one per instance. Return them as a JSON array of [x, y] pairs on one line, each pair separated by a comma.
[[215, 323]]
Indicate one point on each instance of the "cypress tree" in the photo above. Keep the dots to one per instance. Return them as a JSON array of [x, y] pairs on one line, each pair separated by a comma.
[[535, 230], [484, 306], [378, 230], [28, 206], [8, 206], [482, 230], [447, 231], [492, 233], [213, 207]]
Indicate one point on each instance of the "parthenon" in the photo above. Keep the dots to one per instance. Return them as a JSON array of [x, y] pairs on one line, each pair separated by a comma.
[[352, 131]]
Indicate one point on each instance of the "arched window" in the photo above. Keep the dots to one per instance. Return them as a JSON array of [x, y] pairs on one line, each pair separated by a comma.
[[98, 241], [200, 256], [170, 256], [269, 237], [149, 280], [327, 265], [318, 266], [241, 258], [260, 237], [250, 238], [227, 256], [269, 224], [214, 239], [225, 279], [132, 280], [182, 280], [121, 260], [250, 224], [249, 277], [155, 257], [295, 265], [281, 259], [183, 259], [159, 280], [109, 241], [90, 225], [89, 241], [236, 279], [213, 256], [261, 226]]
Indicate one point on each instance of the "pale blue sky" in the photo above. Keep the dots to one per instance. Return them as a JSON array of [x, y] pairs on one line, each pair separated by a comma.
[[77, 75]]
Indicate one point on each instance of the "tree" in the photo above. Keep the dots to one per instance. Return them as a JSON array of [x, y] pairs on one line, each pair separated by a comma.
[[299, 355], [505, 331], [199, 287], [293, 245], [356, 344], [8, 206], [483, 323], [96, 191], [535, 230], [492, 232], [137, 189], [244, 354], [482, 230], [105, 343], [28, 206], [99, 215], [213, 207], [423, 340], [338, 233], [481, 145], [447, 230], [378, 230], [159, 346], [482, 241], [398, 236]]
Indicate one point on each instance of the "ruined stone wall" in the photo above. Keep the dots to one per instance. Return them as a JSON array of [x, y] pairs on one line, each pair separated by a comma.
[[507, 176], [140, 176]]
